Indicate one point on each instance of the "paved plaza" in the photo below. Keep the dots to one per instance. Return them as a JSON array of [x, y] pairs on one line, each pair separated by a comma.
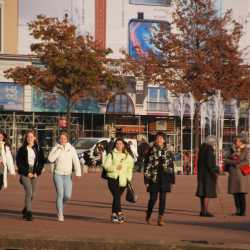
[[87, 215]]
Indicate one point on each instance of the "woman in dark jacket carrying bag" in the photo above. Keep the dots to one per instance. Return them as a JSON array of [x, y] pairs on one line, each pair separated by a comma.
[[30, 162], [158, 176]]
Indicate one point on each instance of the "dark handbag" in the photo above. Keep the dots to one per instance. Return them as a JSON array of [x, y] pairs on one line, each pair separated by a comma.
[[1, 181], [104, 174], [131, 196], [245, 170]]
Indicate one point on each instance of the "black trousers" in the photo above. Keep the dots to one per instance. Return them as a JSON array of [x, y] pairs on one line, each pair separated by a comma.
[[152, 200], [1, 181], [240, 202], [116, 192]]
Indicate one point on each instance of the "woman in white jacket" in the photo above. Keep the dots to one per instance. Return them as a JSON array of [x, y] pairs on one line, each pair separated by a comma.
[[64, 157], [6, 161]]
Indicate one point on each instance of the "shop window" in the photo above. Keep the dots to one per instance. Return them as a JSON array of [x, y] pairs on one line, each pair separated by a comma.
[[157, 99], [151, 2], [120, 103]]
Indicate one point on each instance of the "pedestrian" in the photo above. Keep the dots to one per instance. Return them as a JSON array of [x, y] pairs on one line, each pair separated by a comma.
[[186, 164], [207, 174], [158, 176], [118, 165], [111, 145], [143, 150], [6, 160], [65, 159], [237, 182], [30, 162]]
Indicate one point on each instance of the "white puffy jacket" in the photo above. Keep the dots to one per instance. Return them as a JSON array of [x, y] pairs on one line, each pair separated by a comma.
[[65, 158]]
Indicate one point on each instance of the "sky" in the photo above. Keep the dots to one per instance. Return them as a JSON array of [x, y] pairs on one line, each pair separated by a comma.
[[29, 9]]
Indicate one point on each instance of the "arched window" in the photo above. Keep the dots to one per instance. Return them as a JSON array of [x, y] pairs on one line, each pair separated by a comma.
[[120, 103]]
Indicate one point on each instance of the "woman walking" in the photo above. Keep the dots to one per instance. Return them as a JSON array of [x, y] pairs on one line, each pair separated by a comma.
[[158, 176], [119, 168], [30, 163], [207, 175], [65, 158], [6, 160], [237, 182]]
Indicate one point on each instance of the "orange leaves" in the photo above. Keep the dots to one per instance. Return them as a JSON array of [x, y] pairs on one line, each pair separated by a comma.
[[72, 65]]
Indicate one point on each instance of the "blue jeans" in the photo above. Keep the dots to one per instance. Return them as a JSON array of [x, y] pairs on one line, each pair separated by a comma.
[[63, 184]]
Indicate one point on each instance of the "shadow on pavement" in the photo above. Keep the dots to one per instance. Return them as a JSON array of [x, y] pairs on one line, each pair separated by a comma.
[[238, 226], [51, 216]]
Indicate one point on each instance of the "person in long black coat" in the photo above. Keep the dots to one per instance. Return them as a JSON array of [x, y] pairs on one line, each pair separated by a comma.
[[158, 176], [207, 175]]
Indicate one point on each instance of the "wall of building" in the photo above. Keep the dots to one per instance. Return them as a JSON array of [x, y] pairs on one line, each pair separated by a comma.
[[10, 26]]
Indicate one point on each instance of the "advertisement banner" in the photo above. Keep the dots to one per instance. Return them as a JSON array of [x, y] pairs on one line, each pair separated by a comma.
[[52, 102], [151, 2], [11, 96], [141, 36]]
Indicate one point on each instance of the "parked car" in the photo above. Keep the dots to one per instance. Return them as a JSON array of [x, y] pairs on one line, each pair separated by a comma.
[[85, 148]]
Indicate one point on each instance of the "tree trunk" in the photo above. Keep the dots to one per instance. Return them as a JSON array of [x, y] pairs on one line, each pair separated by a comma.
[[69, 118]]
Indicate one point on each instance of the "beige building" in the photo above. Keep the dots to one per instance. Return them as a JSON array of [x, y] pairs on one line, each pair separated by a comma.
[[8, 26]]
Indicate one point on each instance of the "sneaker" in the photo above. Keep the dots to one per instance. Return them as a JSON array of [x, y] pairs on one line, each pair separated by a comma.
[[114, 218], [60, 218], [121, 218]]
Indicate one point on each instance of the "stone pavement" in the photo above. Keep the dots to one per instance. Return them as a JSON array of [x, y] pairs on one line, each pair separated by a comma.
[[87, 216]]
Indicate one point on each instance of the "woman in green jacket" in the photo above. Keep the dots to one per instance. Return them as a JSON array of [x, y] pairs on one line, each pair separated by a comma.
[[119, 167]]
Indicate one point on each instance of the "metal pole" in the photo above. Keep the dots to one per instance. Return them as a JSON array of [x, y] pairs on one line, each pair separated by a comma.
[[104, 124], [182, 144], [191, 151]]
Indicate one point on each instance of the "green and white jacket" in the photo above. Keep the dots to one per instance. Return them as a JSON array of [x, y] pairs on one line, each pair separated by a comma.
[[113, 160]]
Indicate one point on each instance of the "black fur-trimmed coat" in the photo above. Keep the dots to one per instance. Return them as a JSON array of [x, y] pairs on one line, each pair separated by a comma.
[[159, 169]]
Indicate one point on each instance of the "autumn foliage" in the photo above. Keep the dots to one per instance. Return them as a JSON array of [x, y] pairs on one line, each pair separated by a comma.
[[71, 65]]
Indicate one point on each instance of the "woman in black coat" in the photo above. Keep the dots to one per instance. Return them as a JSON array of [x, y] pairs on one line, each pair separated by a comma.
[[207, 174], [158, 176], [30, 162]]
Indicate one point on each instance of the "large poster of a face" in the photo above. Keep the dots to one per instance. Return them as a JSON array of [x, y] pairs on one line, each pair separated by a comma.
[[141, 37]]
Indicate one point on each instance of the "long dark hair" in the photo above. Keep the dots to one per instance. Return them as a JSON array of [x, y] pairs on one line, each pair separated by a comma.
[[32, 131], [125, 151], [5, 138]]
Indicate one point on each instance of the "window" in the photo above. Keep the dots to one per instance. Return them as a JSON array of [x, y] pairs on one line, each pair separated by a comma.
[[120, 103], [151, 2], [157, 99]]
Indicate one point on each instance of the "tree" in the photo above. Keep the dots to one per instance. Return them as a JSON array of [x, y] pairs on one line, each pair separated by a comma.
[[73, 66], [200, 55]]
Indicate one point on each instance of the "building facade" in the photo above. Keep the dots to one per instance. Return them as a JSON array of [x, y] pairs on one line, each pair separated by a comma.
[[118, 24]]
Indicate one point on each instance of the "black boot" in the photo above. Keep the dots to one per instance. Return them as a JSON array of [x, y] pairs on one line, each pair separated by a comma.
[[242, 205], [24, 211], [237, 204], [28, 216]]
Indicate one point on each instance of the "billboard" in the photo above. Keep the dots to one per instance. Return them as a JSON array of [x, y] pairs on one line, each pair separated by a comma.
[[52, 102], [151, 2], [11, 96], [141, 36]]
